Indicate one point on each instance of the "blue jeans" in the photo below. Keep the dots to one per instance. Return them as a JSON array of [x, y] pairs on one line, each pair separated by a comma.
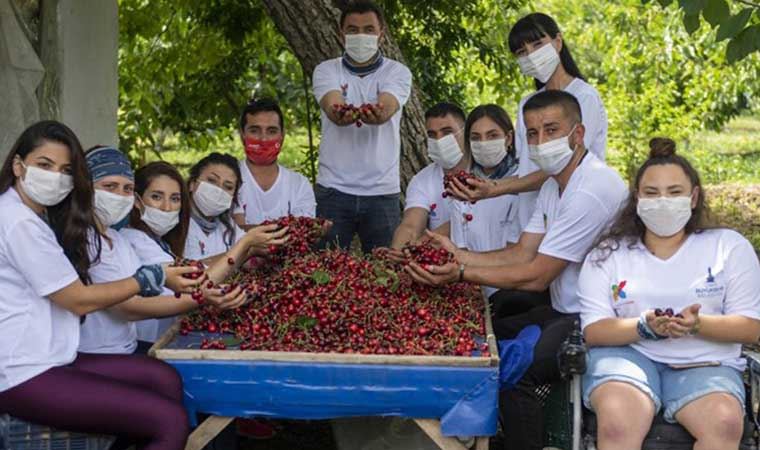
[[373, 217], [671, 389]]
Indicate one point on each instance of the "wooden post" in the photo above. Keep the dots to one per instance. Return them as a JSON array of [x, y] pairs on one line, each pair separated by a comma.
[[207, 431], [433, 429]]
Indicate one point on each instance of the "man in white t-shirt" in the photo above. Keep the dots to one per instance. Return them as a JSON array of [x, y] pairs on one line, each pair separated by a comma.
[[575, 205], [269, 190], [358, 183], [426, 208]]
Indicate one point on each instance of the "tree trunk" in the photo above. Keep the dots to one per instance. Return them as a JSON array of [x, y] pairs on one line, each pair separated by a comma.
[[312, 30]]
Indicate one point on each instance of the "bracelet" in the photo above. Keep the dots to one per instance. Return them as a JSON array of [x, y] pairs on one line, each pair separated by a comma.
[[151, 280], [461, 273], [695, 329], [644, 331]]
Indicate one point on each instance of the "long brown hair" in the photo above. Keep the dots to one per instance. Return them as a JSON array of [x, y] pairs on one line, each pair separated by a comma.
[[628, 227], [144, 176], [73, 219]]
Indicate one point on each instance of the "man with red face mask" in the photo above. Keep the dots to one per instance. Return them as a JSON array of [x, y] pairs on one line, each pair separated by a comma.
[[268, 190]]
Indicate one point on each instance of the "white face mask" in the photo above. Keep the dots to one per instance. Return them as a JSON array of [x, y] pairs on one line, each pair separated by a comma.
[[112, 208], [664, 216], [445, 151], [160, 222], [551, 157], [489, 153], [361, 47], [541, 63], [46, 187], [211, 200]]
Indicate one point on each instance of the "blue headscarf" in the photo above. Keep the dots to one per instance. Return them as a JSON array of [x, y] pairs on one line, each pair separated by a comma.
[[107, 161]]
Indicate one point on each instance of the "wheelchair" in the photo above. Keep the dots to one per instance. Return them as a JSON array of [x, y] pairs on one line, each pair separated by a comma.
[[570, 426]]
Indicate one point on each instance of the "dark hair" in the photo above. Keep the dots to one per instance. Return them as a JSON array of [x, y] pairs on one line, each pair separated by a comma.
[[628, 226], [227, 161], [361, 7], [443, 109], [73, 219], [144, 176], [532, 28], [552, 97], [495, 113], [255, 106]]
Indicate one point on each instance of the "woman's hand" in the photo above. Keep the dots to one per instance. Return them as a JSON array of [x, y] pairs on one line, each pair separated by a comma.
[[259, 238], [221, 297], [475, 189], [658, 324], [183, 279], [687, 324]]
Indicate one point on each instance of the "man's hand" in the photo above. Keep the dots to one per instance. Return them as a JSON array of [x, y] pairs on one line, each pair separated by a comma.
[[372, 114], [434, 275], [392, 254], [222, 299], [475, 189], [440, 241]]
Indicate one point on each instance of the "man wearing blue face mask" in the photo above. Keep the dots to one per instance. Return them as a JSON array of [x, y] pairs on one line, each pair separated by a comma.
[[361, 95], [580, 198], [425, 207]]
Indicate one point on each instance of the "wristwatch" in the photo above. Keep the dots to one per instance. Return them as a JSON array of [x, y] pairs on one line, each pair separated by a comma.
[[461, 273]]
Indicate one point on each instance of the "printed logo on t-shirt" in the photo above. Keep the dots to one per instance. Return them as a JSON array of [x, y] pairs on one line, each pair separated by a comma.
[[618, 292], [432, 210], [710, 277], [710, 288], [344, 90], [202, 245]]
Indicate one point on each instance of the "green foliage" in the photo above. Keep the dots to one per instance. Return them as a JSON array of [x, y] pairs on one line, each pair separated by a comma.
[[743, 33], [654, 77]]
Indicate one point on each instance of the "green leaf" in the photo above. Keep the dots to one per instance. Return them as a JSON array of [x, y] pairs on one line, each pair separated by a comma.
[[382, 281], [716, 12], [743, 44], [691, 22], [733, 25], [320, 277], [692, 7], [306, 322]]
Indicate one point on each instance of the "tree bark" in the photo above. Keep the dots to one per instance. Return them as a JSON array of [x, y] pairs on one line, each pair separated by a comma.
[[312, 30]]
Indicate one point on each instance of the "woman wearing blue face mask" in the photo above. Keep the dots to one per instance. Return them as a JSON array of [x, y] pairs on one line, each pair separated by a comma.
[[46, 254], [543, 54], [158, 232], [666, 304]]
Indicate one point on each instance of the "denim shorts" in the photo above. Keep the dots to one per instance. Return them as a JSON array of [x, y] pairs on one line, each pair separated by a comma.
[[671, 389]]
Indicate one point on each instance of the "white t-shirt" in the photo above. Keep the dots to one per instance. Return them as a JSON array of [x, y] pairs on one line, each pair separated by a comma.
[[291, 191], [361, 161], [106, 331], [572, 223], [716, 268], [595, 139], [493, 225], [425, 191], [149, 252], [200, 245], [35, 333]]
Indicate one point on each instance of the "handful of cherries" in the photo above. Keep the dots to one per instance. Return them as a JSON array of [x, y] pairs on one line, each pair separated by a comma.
[[462, 176], [355, 112]]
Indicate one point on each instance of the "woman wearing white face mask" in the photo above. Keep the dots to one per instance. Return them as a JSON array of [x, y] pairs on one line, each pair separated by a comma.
[[488, 224], [666, 304], [158, 232], [542, 53]]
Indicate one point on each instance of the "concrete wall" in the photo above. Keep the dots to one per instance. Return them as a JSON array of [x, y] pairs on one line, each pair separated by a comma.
[[79, 47]]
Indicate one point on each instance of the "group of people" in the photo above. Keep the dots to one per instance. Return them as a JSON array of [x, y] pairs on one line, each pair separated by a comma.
[[550, 231]]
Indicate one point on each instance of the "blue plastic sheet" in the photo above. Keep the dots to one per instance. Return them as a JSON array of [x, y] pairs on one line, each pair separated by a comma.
[[516, 355], [465, 399]]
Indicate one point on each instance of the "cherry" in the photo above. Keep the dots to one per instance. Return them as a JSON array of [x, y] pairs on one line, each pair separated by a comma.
[[231, 261], [468, 217]]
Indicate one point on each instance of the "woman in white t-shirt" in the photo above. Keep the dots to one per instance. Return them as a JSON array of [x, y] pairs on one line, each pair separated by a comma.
[[487, 224], [47, 202], [158, 231], [213, 183], [666, 305], [542, 54], [112, 330]]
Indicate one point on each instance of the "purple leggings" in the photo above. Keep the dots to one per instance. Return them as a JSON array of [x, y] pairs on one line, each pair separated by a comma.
[[133, 397]]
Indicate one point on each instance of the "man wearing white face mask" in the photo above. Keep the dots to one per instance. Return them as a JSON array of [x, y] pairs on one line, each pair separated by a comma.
[[425, 207], [576, 204], [358, 184]]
